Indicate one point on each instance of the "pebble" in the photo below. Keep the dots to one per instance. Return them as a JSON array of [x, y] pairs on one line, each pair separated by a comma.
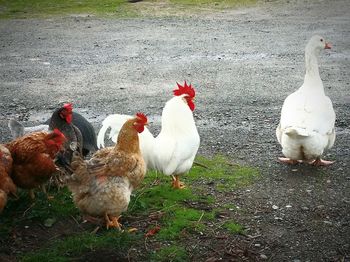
[[288, 206], [274, 207], [262, 256]]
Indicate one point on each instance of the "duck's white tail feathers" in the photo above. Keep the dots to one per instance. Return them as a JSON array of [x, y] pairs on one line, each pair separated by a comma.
[[115, 123], [16, 128], [296, 131]]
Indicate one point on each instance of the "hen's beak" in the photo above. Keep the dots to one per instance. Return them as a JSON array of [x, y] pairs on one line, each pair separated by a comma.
[[328, 46]]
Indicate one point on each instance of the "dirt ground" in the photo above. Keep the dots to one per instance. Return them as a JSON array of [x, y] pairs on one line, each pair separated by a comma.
[[243, 64]]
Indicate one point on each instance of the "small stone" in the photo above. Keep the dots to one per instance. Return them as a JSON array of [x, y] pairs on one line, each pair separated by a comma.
[[262, 256], [49, 222], [305, 208], [288, 206], [274, 207], [257, 245]]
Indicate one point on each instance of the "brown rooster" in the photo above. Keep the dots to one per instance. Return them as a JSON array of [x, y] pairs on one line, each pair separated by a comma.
[[33, 158], [6, 184], [102, 186]]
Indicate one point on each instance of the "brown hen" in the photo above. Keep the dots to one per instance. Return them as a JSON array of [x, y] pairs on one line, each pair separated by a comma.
[[102, 186], [33, 158]]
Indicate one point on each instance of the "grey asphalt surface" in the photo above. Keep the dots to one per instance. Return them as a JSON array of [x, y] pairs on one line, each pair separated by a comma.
[[243, 63]]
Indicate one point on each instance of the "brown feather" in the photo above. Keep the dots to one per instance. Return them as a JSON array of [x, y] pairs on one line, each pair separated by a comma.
[[6, 184]]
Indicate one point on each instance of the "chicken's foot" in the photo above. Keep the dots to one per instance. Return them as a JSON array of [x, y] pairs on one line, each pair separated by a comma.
[[112, 221], [321, 162], [176, 182]]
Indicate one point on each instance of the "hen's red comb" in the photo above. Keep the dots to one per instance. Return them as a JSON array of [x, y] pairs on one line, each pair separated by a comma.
[[185, 89], [68, 106], [142, 117]]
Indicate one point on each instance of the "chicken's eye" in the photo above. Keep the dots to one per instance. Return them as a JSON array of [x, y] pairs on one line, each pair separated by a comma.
[[321, 40]]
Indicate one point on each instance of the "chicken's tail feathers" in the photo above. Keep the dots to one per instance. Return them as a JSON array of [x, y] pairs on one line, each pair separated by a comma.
[[101, 135], [296, 131], [77, 168], [115, 122], [16, 128]]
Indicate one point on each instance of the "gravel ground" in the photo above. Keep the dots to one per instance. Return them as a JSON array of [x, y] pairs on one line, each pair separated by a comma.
[[243, 64]]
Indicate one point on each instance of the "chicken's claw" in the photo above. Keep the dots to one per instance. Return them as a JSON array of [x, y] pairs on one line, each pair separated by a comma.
[[112, 222], [176, 183]]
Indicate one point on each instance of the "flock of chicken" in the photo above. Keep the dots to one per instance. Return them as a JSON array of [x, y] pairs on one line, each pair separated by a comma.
[[101, 186]]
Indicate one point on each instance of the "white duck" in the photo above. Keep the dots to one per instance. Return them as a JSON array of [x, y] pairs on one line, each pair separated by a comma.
[[307, 121]]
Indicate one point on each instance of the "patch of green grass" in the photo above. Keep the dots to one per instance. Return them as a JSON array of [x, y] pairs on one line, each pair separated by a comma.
[[72, 246], [172, 253], [43, 8], [160, 196], [176, 221], [41, 209], [188, 211], [233, 228], [213, 3], [110, 8], [222, 174]]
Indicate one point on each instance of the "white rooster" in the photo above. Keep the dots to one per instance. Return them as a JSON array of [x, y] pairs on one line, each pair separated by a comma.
[[173, 151]]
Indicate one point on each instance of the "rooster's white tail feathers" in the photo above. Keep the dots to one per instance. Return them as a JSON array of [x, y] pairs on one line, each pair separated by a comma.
[[115, 123]]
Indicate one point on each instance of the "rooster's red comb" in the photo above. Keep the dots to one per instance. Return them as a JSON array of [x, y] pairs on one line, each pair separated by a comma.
[[185, 89], [142, 117], [68, 106]]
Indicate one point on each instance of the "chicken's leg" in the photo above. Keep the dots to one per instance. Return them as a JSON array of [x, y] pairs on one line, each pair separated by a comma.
[[43, 188], [112, 222], [31, 194], [289, 161], [176, 182]]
